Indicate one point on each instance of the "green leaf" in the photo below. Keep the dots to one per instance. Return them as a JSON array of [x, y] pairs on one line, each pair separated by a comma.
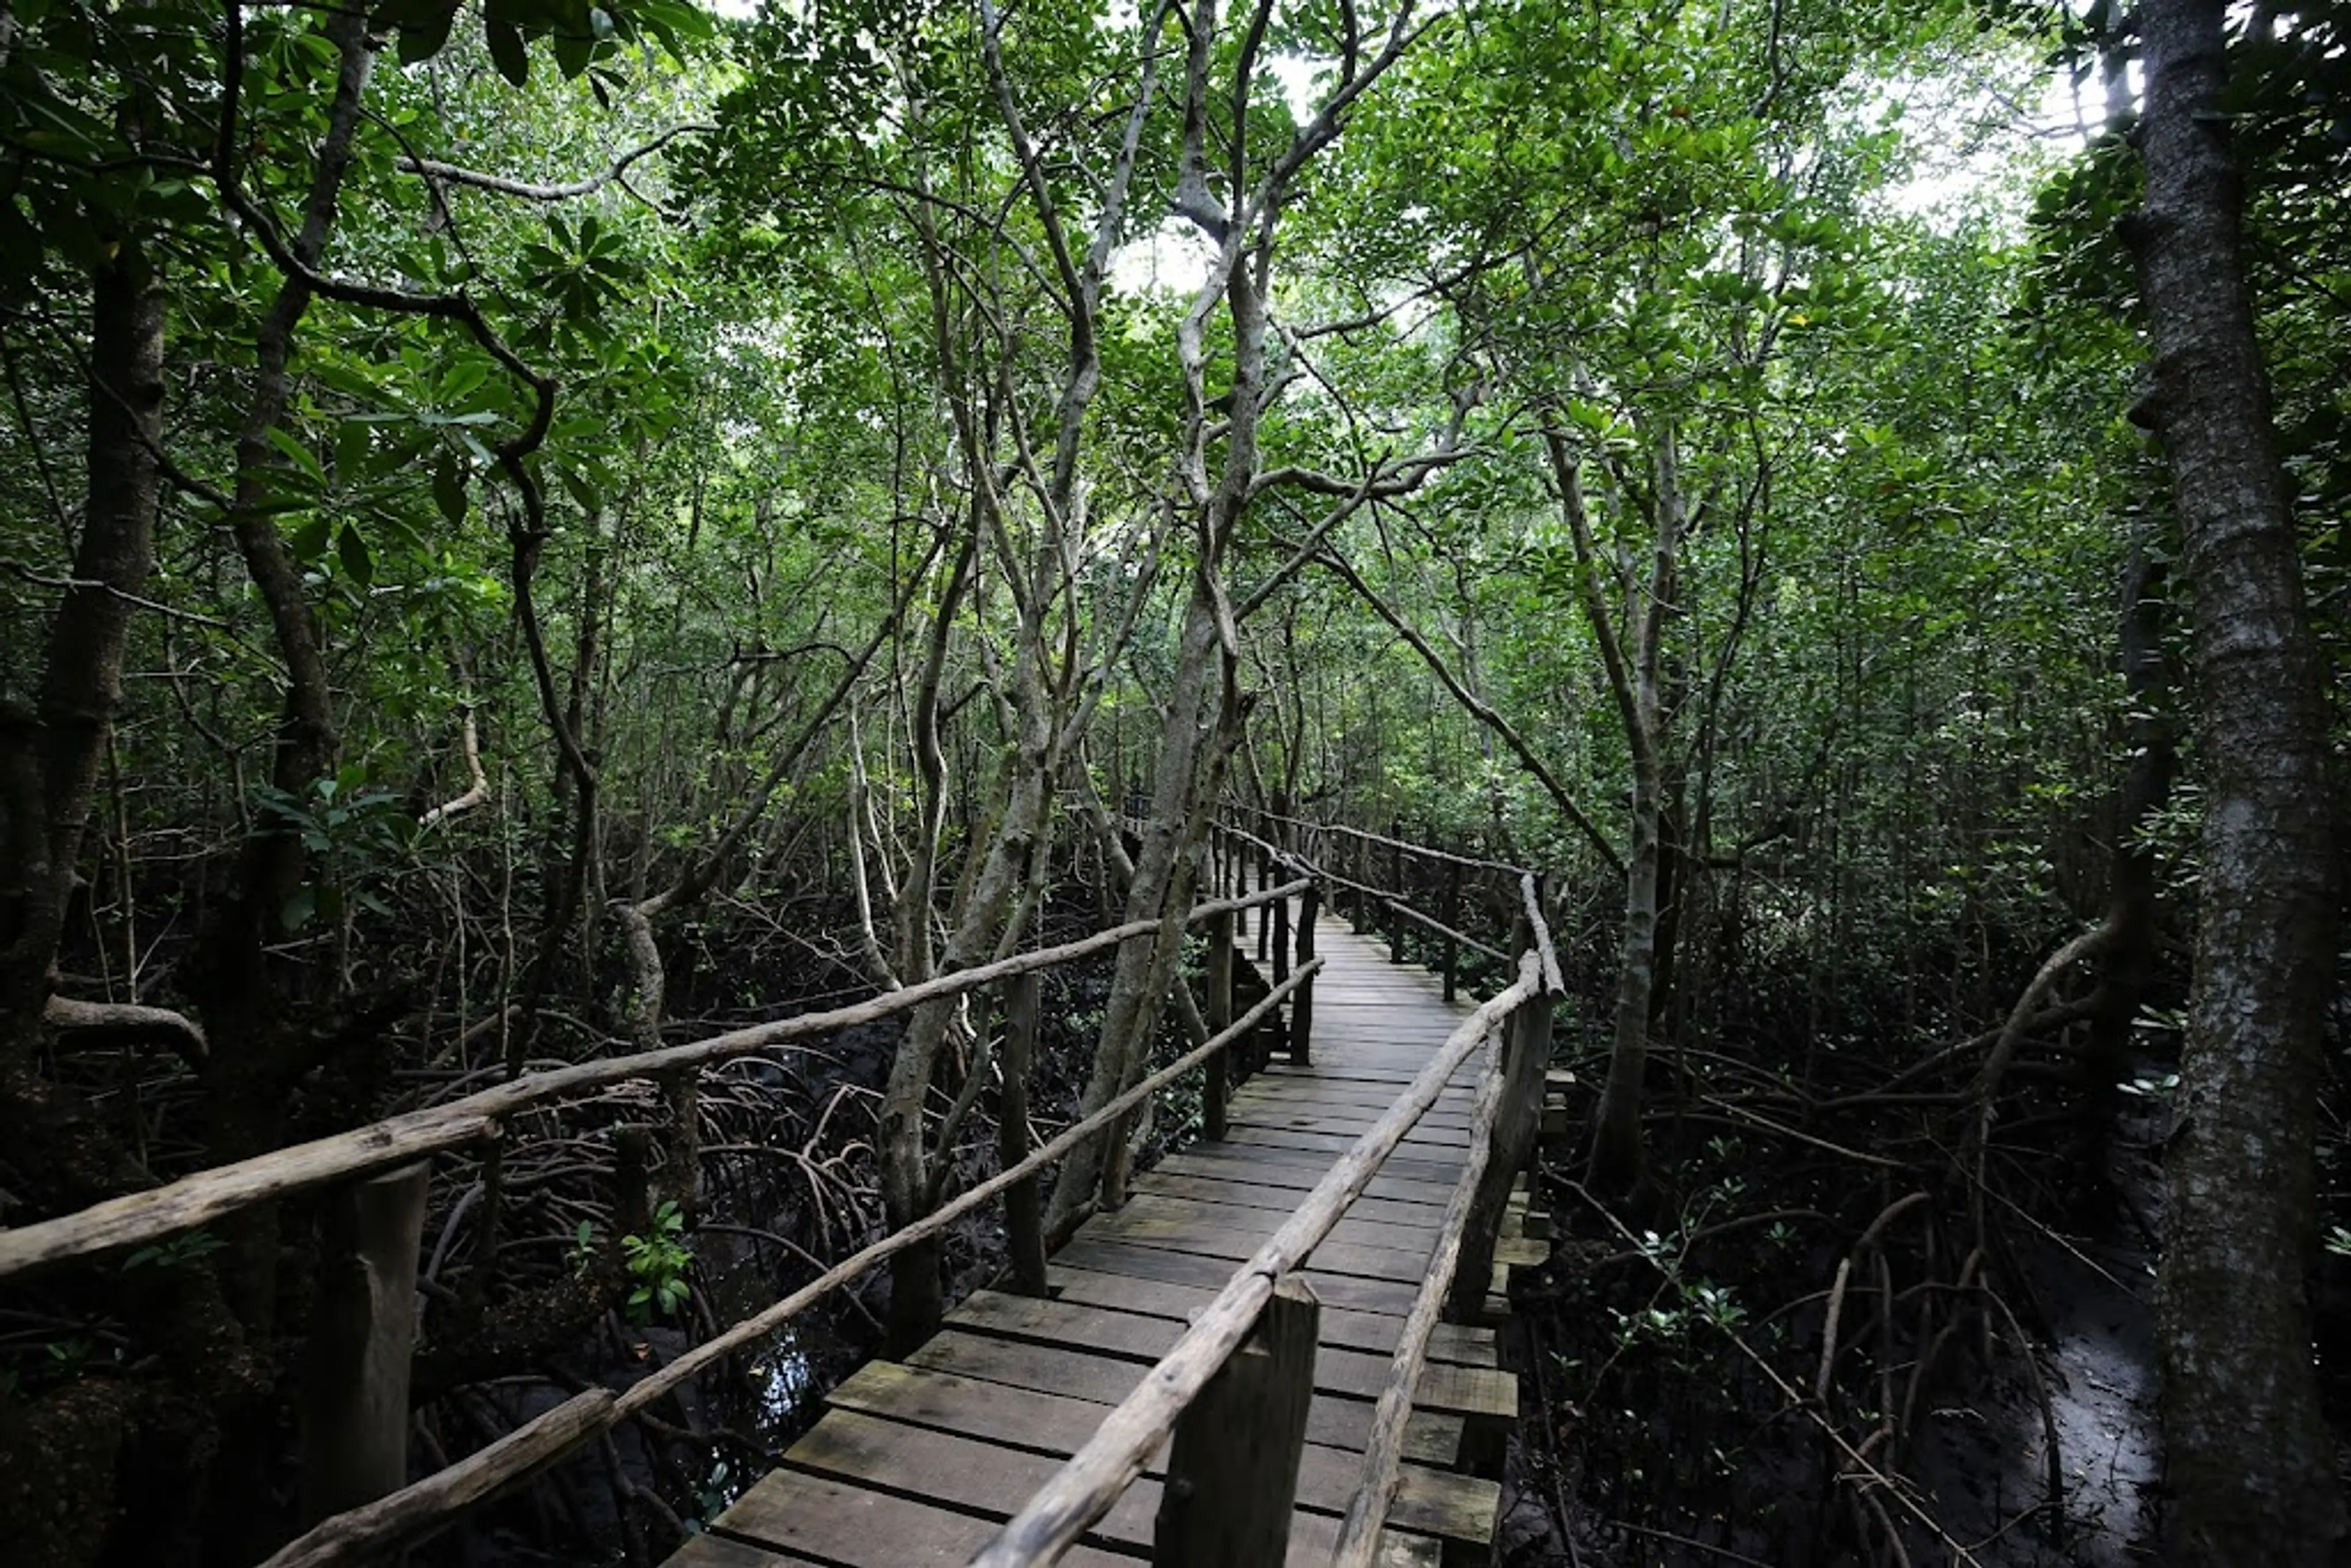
[[581, 489], [300, 909], [310, 541], [572, 54], [297, 455], [353, 549], [449, 488], [425, 37], [506, 52], [354, 443]]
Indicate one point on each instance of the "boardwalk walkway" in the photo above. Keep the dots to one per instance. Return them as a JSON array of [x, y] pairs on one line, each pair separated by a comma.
[[918, 1462]]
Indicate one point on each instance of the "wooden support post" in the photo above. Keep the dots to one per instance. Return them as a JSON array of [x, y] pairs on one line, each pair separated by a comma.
[[1452, 917], [363, 1333], [1237, 851], [1526, 1052], [1302, 1011], [681, 1180], [1264, 881], [1280, 944], [1232, 1470], [1220, 1019], [1024, 1236], [1395, 885], [1363, 917]]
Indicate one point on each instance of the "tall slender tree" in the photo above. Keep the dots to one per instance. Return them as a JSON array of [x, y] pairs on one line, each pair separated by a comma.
[[2251, 1469]]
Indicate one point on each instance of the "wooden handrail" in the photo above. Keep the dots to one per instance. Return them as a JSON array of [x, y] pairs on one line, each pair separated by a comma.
[[1391, 901], [417, 1511], [208, 1194], [1359, 1532], [1539, 928], [1086, 1487], [1424, 850]]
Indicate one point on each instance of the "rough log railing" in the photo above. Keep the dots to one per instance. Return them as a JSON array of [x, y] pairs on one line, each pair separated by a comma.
[[1230, 1384], [1330, 846], [376, 1168]]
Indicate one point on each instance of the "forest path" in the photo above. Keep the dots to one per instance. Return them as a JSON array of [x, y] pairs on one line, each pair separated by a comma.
[[919, 1461]]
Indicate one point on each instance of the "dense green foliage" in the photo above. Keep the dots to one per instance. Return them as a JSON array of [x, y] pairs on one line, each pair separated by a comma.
[[657, 516]]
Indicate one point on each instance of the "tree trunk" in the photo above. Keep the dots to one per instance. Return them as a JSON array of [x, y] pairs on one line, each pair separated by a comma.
[[2129, 958], [55, 751], [2250, 1462]]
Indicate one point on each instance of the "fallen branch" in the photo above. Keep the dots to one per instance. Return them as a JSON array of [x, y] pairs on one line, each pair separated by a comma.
[[131, 1024]]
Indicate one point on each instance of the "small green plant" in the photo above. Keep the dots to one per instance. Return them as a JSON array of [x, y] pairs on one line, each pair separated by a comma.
[[176, 1253], [582, 1256], [658, 1263], [2338, 1241]]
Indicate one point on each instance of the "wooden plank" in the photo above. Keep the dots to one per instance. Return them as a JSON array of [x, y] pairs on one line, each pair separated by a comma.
[[1278, 1199], [1202, 1235], [1328, 1150], [1155, 1208], [723, 1552], [1370, 1098], [1424, 1165], [1288, 1168], [1335, 1420], [1108, 1256], [1423, 1142], [958, 1472], [857, 1528], [1431, 1501], [1344, 1328], [1263, 1103], [1127, 1336]]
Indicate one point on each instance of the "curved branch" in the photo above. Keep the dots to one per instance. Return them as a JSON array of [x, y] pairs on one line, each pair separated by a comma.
[[456, 175]]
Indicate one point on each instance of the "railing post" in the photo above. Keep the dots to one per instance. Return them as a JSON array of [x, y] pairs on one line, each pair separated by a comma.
[[1302, 1010], [1265, 878], [1220, 1017], [1526, 1052], [1232, 1470], [1358, 913], [681, 1180], [1024, 1236], [1396, 886], [363, 1333], [1452, 906], [1236, 851], [1279, 945]]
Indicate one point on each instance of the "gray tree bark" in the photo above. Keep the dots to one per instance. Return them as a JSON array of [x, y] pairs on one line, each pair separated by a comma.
[[2251, 1462], [49, 756]]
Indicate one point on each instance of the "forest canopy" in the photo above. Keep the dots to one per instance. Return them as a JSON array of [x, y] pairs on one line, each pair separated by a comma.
[[538, 530]]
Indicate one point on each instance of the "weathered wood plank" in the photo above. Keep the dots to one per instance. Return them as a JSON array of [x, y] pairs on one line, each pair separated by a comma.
[[1335, 1420], [1155, 1208], [1343, 1328], [1288, 1168], [1279, 1200], [1203, 1234], [857, 1528], [1109, 1257], [723, 1552], [1432, 1502]]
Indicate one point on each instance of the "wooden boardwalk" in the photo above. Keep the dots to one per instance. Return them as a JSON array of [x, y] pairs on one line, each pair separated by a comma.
[[918, 1462]]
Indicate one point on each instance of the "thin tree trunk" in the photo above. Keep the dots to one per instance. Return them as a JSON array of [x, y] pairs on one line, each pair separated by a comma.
[[2250, 1460], [53, 753]]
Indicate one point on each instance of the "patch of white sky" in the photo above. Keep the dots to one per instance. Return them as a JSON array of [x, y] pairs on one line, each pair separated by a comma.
[[1173, 258], [1978, 135]]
